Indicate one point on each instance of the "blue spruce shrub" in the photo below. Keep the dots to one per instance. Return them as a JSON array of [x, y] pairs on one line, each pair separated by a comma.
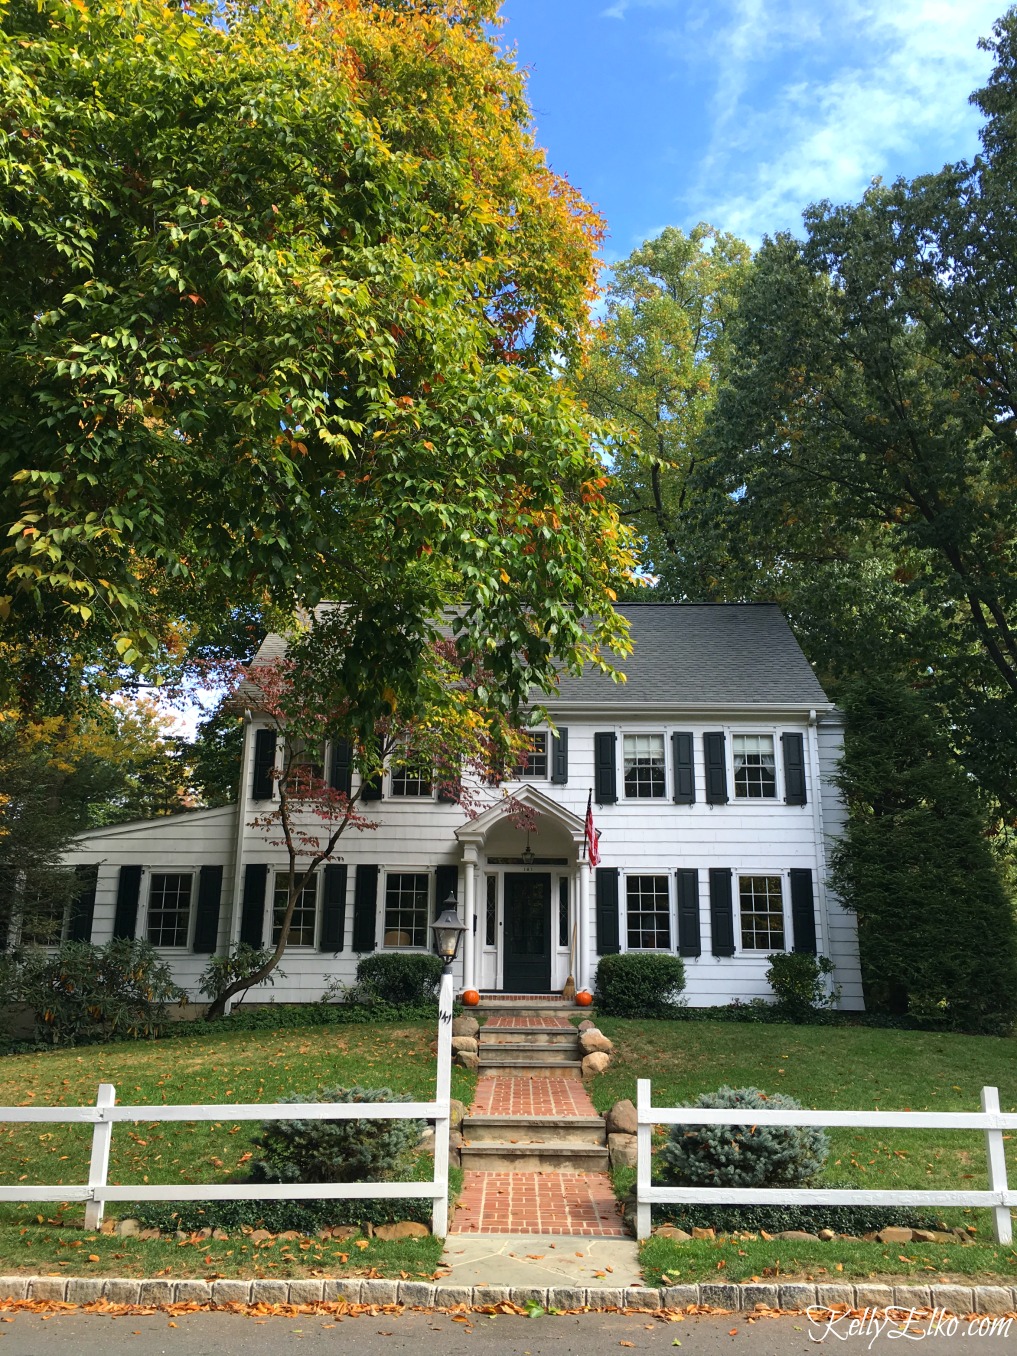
[[744, 1155]]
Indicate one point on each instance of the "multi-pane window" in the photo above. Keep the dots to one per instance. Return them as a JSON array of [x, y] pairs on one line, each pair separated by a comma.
[[762, 911], [169, 908], [563, 911], [648, 913], [644, 765], [411, 776], [491, 918], [304, 767], [755, 770], [406, 907], [534, 762], [305, 911]]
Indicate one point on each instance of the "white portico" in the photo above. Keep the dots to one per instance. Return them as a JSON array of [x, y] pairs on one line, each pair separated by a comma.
[[526, 896]]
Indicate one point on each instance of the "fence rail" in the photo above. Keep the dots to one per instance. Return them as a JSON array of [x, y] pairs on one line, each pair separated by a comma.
[[993, 1122], [105, 1114]]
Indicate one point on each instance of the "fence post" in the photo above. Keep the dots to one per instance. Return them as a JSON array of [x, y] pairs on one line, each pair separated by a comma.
[[102, 1135], [996, 1154], [644, 1132], [443, 1094]]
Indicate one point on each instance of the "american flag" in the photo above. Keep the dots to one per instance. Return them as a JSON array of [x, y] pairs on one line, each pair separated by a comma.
[[592, 835]]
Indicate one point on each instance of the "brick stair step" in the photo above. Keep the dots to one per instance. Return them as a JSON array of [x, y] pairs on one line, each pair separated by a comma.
[[507, 1051], [548, 1035], [535, 1129], [560, 1156], [493, 1066]]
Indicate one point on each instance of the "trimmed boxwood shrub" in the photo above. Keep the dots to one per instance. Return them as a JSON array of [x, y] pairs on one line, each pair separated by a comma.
[[399, 978], [640, 984], [798, 981], [744, 1155]]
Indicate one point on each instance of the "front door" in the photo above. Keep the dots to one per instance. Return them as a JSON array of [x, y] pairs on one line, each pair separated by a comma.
[[527, 961]]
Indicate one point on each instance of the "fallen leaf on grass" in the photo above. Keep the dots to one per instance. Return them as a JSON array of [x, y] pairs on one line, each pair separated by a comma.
[[362, 1243]]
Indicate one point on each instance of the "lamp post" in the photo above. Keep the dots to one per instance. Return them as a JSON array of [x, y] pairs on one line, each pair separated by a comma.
[[448, 930]]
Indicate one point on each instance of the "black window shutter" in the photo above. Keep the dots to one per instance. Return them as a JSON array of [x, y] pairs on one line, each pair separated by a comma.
[[607, 910], [721, 911], [446, 882], [682, 757], [206, 919], [252, 913], [125, 920], [341, 772], [560, 758], [689, 941], [264, 764], [79, 928], [605, 769], [794, 768], [365, 908], [372, 787], [716, 768], [803, 914], [333, 917]]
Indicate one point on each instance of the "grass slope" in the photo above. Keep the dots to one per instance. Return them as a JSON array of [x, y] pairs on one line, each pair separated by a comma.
[[266, 1066], [837, 1067]]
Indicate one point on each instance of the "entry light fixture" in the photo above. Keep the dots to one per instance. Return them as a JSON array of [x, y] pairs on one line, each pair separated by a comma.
[[527, 855], [448, 930]]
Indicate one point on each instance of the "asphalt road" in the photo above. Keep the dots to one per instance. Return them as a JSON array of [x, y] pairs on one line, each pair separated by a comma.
[[219, 1334]]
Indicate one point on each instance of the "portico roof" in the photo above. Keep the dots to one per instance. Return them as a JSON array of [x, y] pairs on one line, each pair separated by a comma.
[[475, 831]]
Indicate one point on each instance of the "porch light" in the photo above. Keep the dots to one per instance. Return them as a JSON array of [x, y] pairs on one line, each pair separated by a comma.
[[527, 856], [448, 931]]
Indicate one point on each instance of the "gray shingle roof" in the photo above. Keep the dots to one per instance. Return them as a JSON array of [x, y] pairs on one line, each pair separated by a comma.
[[696, 654]]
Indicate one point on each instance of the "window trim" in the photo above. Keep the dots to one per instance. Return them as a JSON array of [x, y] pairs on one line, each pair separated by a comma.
[[148, 875], [268, 922], [781, 874], [391, 763], [385, 876], [665, 873], [541, 778]]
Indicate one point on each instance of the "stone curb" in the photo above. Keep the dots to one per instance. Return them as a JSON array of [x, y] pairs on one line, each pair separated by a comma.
[[957, 1299]]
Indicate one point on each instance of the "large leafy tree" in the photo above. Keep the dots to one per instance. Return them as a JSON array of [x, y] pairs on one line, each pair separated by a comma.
[[653, 368], [281, 289]]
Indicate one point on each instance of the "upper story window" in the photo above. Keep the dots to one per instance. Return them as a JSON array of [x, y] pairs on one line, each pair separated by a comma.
[[648, 913], [755, 767], [761, 904], [534, 763], [644, 765], [305, 911], [411, 776], [304, 766], [169, 908]]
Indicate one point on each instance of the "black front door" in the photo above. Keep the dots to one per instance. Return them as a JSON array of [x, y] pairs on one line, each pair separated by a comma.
[[527, 933]]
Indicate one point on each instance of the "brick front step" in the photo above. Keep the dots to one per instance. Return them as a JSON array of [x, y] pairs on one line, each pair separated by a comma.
[[526, 1007], [551, 1156], [500, 1066], [507, 1051], [535, 1129], [534, 1035]]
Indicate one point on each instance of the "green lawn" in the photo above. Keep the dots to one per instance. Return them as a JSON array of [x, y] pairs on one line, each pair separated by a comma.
[[850, 1067], [240, 1067]]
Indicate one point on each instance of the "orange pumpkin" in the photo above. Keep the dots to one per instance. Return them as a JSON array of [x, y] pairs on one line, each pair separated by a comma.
[[584, 998], [471, 998]]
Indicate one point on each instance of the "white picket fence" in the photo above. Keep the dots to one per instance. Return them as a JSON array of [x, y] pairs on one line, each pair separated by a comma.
[[105, 1114], [993, 1122]]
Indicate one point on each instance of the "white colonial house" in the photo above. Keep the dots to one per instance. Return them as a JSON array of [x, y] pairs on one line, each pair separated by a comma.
[[711, 772]]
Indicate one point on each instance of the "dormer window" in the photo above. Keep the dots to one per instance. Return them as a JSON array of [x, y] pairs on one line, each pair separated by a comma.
[[534, 763], [644, 765]]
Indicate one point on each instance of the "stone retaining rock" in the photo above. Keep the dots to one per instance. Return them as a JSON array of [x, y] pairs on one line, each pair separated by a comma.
[[461, 1044], [621, 1119], [622, 1149], [465, 1026], [595, 1063], [468, 1059], [594, 1042]]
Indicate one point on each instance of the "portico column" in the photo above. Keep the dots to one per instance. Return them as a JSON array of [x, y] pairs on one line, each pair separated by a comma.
[[585, 979], [469, 914]]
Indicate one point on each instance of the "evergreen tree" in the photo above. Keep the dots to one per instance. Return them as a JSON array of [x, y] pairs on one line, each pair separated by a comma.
[[935, 927]]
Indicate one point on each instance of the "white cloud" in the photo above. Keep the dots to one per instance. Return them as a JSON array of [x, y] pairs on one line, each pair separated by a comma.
[[811, 100]]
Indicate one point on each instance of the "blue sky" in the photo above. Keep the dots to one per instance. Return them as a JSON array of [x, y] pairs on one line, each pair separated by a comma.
[[740, 112]]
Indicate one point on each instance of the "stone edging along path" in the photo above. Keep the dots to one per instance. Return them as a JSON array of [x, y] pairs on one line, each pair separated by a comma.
[[961, 1300]]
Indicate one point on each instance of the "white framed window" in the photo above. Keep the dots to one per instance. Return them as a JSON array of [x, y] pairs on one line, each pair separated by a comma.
[[755, 766], [533, 765], [304, 766], [407, 908], [491, 911], [410, 776], [169, 908], [648, 913], [305, 911], [761, 911], [643, 766]]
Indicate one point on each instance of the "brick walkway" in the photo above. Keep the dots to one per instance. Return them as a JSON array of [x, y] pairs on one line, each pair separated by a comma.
[[538, 1203], [529, 1023], [500, 1096]]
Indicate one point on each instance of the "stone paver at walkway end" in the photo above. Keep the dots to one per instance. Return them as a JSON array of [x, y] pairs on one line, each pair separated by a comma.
[[529, 1260]]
